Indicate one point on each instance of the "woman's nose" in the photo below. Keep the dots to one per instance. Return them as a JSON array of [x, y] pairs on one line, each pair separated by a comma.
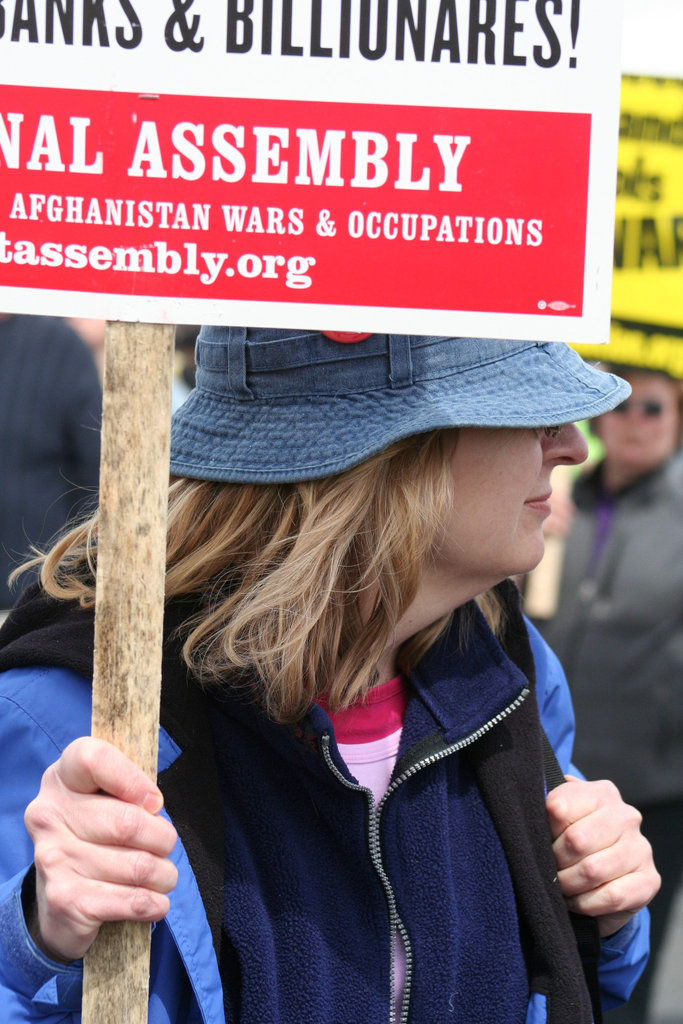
[[568, 446]]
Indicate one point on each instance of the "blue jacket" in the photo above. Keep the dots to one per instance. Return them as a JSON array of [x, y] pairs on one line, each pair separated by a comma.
[[298, 910]]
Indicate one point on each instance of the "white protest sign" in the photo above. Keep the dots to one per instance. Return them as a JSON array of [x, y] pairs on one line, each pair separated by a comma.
[[401, 165]]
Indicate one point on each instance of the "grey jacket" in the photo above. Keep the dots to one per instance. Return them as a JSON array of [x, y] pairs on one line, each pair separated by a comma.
[[619, 635]]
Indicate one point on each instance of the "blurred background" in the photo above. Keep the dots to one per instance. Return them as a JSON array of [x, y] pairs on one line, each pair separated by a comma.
[[608, 595]]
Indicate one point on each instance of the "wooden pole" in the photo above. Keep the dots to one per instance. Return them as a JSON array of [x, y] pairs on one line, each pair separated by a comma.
[[129, 605]]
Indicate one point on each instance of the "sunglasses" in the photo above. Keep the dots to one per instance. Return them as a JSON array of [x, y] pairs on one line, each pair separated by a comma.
[[650, 407]]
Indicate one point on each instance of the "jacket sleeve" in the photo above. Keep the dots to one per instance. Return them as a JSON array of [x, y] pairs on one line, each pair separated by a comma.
[[32, 987], [41, 711], [623, 955]]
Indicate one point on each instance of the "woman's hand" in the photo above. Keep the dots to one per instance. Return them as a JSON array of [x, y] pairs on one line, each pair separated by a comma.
[[604, 863], [101, 851]]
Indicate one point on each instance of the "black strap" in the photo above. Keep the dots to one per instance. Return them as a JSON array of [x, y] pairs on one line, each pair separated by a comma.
[[585, 928], [554, 776]]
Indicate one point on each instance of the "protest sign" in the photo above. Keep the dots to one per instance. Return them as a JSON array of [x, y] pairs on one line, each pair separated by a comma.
[[405, 166], [647, 295]]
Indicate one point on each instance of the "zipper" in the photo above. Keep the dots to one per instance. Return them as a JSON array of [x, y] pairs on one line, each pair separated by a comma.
[[375, 844]]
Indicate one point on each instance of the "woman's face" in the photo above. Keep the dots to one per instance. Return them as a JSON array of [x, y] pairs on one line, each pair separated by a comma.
[[645, 431], [501, 490]]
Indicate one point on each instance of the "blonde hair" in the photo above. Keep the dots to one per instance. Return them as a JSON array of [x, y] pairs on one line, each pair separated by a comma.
[[301, 585]]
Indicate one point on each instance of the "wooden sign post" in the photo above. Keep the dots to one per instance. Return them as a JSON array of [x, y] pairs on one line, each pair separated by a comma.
[[131, 560]]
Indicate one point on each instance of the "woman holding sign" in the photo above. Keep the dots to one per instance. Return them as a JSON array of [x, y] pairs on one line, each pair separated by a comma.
[[355, 825]]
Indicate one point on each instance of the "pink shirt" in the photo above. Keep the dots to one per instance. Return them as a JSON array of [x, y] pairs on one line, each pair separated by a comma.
[[368, 735], [376, 716]]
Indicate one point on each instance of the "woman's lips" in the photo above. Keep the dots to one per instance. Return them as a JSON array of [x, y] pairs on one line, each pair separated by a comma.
[[540, 504]]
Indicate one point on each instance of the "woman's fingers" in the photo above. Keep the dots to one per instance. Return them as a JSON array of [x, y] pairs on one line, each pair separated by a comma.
[[605, 866], [98, 819], [101, 849], [90, 765]]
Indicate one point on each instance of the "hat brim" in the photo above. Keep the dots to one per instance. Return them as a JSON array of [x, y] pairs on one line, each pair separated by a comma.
[[280, 440]]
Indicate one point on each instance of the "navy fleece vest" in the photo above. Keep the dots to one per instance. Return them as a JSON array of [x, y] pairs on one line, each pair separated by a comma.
[[306, 923]]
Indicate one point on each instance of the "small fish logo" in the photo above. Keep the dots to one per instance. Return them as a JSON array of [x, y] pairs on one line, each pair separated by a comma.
[[558, 305]]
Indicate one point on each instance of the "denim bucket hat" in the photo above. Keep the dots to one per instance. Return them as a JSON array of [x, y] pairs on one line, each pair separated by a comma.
[[274, 406]]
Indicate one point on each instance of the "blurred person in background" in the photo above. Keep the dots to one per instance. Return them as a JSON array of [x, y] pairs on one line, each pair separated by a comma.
[[93, 332], [618, 627], [185, 366], [50, 409], [184, 369]]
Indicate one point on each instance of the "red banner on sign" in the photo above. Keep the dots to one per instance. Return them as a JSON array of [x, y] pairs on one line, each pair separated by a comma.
[[288, 201]]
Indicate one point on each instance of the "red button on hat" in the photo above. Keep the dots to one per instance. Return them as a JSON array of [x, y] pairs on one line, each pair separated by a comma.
[[346, 337]]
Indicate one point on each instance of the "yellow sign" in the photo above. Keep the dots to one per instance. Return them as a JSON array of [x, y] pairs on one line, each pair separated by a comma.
[[640, 345], [647, 287]]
